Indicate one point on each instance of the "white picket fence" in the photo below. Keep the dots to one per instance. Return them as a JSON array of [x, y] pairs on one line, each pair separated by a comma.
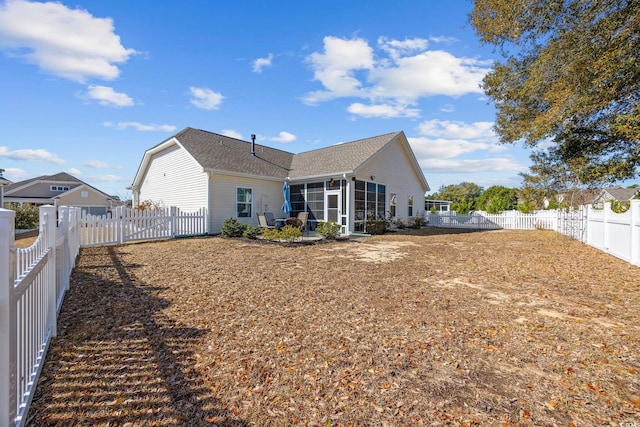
[[126, 225], [615, 233], [33, 282]]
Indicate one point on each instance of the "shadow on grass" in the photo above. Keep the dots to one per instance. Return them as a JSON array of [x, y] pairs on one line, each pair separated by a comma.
[[118, 359]]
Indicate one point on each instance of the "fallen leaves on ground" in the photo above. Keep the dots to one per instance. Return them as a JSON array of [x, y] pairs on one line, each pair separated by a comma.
[[436, 327]]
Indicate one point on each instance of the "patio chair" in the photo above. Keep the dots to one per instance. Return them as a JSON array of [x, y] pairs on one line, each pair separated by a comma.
[[262, 221], [303, 216], [271, 220]]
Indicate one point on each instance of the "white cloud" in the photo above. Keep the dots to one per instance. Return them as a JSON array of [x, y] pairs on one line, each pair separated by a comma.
[[457, 129], [397, 48], [402, 71], [75, 172], [336, 66], [382, 110], [205, 98], [449, 148], [151, 127], [447, 108], [426, 74], [97, 164], [69, 43], [15, 174], [470, 165], [284, 137], [107, 178], [105, 95], [260, 63], [231, 133], [31, 155]]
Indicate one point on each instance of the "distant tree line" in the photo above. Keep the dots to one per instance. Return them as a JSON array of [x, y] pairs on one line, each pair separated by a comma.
[[468, 197]]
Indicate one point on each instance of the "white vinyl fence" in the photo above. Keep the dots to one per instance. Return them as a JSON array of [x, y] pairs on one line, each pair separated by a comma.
[[615, 233], [33, 282], [126, 225]]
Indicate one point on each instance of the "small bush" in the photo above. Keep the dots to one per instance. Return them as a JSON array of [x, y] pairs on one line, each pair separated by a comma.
[[251, 232], [271, 234], [27, 215], [417, 222], [150, 205], [233, 228], [329, 230], [290, 233]]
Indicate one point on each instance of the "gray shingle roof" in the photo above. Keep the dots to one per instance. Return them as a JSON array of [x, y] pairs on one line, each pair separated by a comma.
[[219, 152], [622, 194], [339, 158], [59, 177]]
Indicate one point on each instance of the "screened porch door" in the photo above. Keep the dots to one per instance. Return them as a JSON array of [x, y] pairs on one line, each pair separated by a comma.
[[333, 208]]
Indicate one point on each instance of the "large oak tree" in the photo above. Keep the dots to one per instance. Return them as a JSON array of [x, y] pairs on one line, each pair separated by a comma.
[[571, 76]]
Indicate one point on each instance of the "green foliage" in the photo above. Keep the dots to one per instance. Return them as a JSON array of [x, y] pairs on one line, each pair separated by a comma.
[[27, 215], [497, 199], [417, 222], [619, 206], [570, 76], [251, 232], [375, 225], [231, 227], [462, 195], [271, 234], [288, 233], [329, 230], [433, 210]]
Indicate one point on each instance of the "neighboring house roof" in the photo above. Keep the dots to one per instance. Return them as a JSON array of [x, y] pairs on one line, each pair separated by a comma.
[[221, 153], [618, 193], [14, 189]]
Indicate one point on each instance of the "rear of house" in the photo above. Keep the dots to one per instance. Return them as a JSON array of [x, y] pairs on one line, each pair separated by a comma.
[[375, 177]]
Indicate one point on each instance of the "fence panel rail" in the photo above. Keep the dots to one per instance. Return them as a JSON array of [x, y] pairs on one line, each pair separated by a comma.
[[615, 233], [33, 281]]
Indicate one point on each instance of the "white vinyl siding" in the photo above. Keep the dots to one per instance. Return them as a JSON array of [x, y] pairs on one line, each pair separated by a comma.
[[266, 197], [174, 178], [392, 168]]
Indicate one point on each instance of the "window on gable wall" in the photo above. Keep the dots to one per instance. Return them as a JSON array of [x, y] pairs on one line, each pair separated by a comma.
[[243, 202], [410, 206]]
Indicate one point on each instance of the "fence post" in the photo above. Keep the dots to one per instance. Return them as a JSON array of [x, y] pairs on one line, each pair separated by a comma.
[[635, 232], [48, 230], [174, 220], [8, 401]]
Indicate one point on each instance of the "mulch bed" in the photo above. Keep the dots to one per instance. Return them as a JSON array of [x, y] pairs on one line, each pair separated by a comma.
[[432, 327]]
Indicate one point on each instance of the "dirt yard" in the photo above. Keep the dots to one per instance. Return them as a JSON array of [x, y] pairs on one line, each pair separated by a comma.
[[431, 328]]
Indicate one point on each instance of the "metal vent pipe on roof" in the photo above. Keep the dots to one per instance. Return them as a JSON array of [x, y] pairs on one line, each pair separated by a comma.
[[253, 144]]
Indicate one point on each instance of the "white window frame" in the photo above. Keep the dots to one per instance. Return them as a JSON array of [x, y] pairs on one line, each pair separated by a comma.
[[249, 203], [59, 188], [409, 206]]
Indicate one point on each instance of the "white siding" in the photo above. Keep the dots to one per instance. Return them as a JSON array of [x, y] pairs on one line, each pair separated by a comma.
[[393, 167], [267, 196], [174, 178]]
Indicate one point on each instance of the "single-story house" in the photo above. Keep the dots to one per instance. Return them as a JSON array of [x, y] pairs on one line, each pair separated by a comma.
[[375, 177], [60, 189], [618, 193]]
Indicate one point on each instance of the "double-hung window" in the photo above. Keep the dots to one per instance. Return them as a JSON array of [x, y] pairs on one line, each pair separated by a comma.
[[243, 202], [410, 206]]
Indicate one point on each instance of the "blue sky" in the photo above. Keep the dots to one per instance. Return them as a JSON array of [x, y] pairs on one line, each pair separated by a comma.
[[87, 86]]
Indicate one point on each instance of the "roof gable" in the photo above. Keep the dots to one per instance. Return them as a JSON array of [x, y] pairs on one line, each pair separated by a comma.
[[62, 178]]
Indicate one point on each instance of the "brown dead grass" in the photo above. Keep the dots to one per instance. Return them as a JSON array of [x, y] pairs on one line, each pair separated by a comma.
[[430, 328]]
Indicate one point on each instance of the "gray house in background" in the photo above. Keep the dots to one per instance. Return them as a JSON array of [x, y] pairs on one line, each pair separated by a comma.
[[374, 177], [60, 189]]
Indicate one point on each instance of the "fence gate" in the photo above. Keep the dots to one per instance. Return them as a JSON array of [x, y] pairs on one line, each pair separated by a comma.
[[573, 223]]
